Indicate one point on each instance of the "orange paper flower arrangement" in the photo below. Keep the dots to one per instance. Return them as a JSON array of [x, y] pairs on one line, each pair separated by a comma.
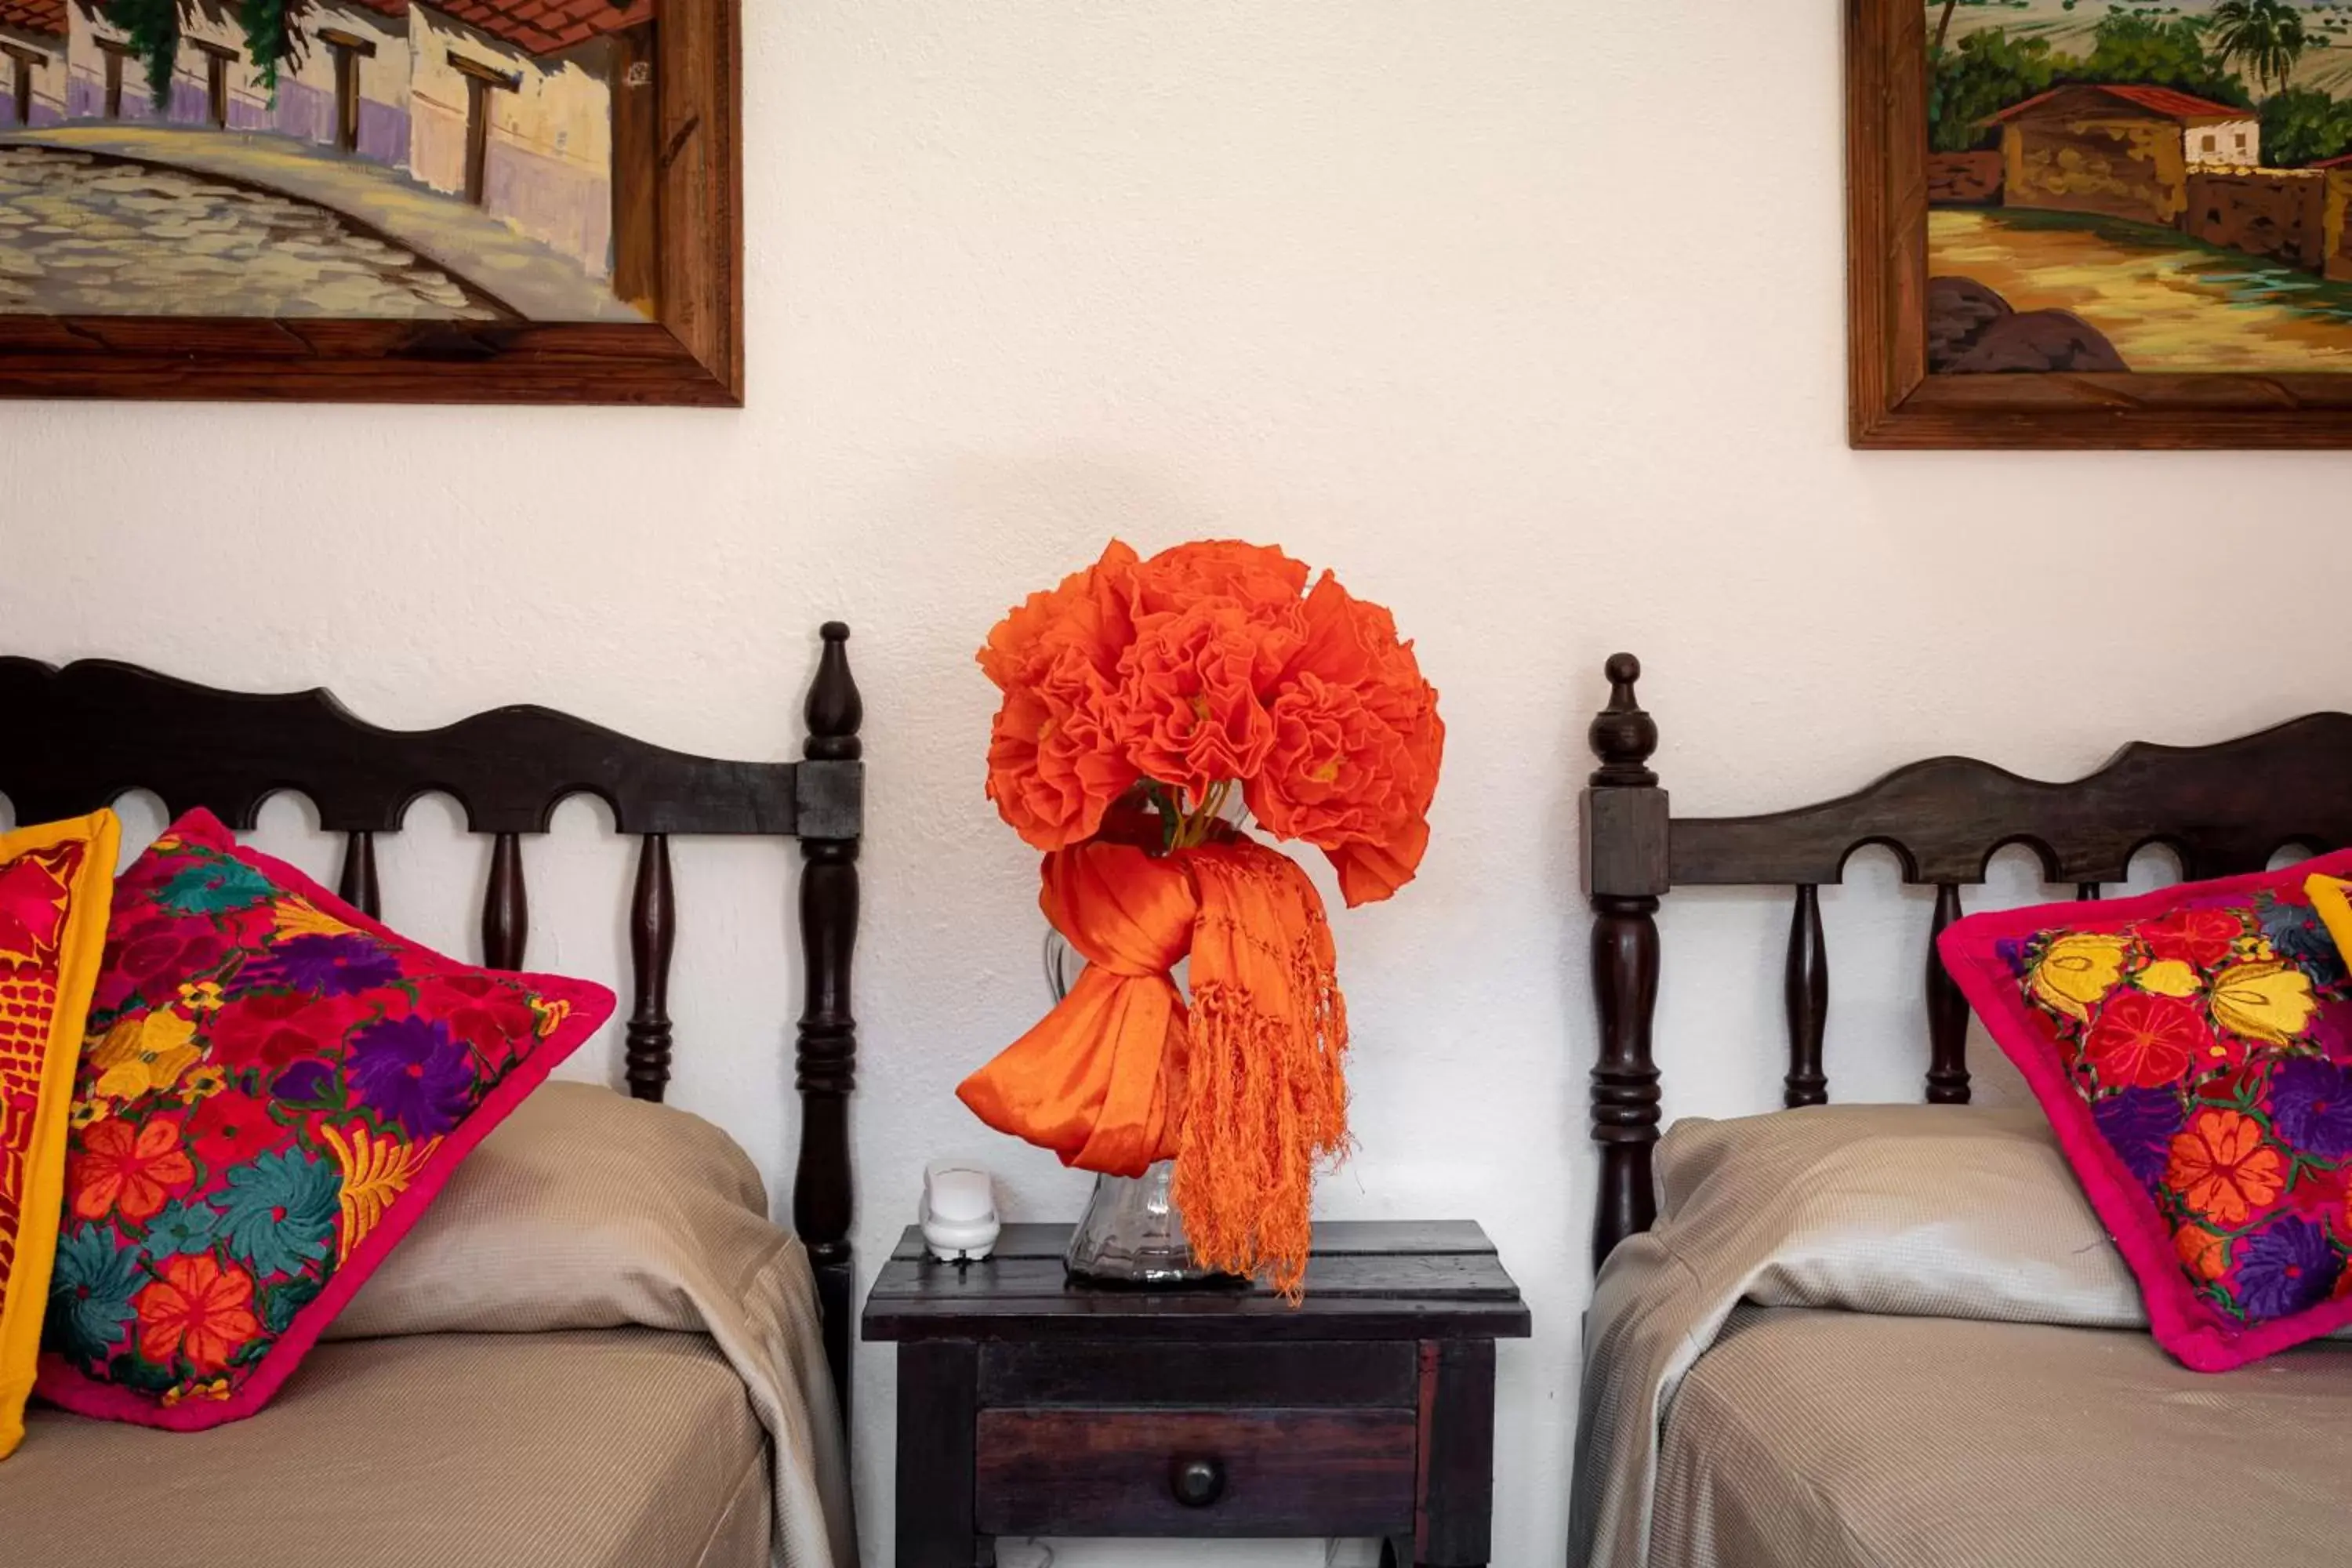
[[1140, 698]]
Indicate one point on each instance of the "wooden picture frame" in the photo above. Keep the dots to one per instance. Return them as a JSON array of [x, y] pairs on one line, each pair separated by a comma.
[[691, 353], [1895, 403]]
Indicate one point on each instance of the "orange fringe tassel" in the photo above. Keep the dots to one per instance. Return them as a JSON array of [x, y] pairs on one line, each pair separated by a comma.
[[1246, 1087]]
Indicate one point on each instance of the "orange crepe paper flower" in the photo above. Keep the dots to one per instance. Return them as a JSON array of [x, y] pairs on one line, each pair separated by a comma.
[[1139, 698]]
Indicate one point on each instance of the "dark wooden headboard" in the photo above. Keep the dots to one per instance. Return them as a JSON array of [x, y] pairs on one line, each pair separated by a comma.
[[2221, 809], [81, 737]]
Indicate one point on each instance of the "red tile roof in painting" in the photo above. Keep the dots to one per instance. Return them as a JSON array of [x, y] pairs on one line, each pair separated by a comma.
[[543, 27], [2162, 101], [536, 26], [46, 18]]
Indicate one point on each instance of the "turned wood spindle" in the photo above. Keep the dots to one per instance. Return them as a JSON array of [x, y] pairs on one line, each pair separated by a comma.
[[358, 886], [652, 933], [506, 911], [2088, 892], [1808, 996], [1948, 1013]]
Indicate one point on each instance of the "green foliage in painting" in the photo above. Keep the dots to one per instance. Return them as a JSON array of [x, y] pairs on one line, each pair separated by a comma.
[[2302, 125], [151, 28], [2266, 36], [1987, 73], [271, 38], [2149, 53]]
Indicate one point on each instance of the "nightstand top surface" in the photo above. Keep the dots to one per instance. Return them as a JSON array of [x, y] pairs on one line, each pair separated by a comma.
[[1365, 1279]]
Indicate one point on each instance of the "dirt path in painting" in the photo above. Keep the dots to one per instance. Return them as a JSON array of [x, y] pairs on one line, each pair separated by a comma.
[[2167, 302]]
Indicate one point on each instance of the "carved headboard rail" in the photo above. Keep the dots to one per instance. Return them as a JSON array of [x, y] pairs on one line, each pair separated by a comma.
[[83, 736], [2223, 809]]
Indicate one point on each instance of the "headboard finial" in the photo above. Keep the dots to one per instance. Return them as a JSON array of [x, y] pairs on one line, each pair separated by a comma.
[[834, 708], [1624, 736]]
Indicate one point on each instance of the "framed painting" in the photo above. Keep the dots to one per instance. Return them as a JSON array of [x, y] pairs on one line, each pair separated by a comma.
[[496, 201], [2079, 223]]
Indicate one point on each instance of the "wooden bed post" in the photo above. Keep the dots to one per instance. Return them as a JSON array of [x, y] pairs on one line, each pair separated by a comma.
[[1623, 826], [831, 797]]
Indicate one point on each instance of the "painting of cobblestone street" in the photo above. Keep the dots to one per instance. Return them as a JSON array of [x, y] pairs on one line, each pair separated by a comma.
[[462, 160]]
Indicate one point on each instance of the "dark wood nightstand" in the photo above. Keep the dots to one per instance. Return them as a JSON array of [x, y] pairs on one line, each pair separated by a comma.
[[1031, 1405]]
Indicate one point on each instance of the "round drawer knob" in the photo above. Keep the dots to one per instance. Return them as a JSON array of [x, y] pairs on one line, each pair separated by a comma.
[[1198, 1483]]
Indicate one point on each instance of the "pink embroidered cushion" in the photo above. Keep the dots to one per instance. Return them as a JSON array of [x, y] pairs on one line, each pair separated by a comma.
[[274, 1088], [2192, 1049]]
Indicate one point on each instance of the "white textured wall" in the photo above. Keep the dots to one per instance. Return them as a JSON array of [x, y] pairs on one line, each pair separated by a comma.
[[1528, 317]]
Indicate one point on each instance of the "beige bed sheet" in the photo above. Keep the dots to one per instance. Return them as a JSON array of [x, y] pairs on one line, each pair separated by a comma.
[[1830, 1439], [601, 1448]]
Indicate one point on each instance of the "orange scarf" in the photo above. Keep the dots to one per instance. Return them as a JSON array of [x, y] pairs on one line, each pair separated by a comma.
[[1244, 1089]]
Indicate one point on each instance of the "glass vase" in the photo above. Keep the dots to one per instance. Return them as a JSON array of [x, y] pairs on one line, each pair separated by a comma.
[[1132, 1234]]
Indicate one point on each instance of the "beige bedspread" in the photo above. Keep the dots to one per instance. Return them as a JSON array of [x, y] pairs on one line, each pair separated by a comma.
[[1829, 1439], [597, 1449], [1899, 1217]]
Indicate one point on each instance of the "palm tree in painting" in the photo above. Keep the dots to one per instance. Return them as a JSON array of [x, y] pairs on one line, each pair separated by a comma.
[[2263, 36], [1944, 26]]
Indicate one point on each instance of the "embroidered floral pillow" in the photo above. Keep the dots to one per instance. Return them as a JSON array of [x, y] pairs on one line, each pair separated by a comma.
[[2193, 1051], [273, 1088], [56, 883]]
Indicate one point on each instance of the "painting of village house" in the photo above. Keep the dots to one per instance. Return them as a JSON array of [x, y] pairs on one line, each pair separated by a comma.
[[2133, 187], [469, 160]]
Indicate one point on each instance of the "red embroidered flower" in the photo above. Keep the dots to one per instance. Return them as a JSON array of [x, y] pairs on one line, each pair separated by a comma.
[[496, 1023], [199, 1309], [273, 1030], [233, 1129], [2199, 938], [2142, 1041], [133, 1167]]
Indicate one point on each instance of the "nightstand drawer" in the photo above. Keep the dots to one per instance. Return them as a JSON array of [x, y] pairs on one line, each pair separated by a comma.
[[1196, 1472], [1376, 1373]]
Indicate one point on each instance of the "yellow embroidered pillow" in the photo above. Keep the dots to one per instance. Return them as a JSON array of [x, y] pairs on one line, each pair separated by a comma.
[[57, 884]]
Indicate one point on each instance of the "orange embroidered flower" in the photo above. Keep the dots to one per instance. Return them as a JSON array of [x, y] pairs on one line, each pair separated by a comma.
[[2202, 1254], [2142, 1041], [199, 1309], [132, 1166], [2222, 1169]]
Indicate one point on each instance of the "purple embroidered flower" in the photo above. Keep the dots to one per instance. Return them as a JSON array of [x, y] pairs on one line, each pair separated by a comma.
[[2311, 1105], [2140, 1125], [2285, 1267], [329, 966], [411, 1072], [2011, 950], [304, 1083]]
